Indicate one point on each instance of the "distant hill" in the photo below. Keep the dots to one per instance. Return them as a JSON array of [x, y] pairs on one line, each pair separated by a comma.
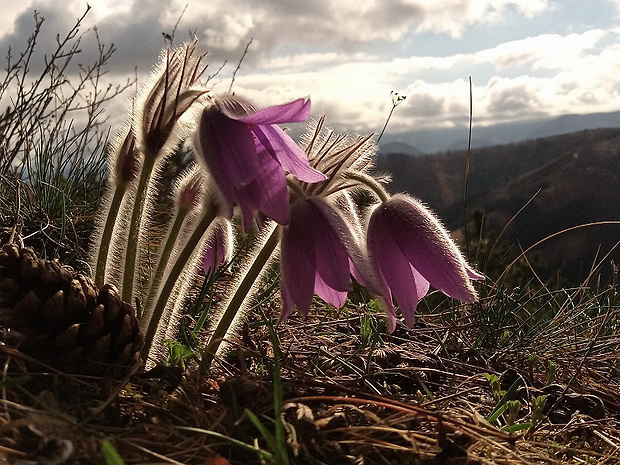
[[573, 123], [445, 139], [399, 147], [559, 181]]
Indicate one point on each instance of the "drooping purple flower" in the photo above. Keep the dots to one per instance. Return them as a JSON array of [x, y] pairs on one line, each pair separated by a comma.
[[316, 250], [248, 155], [410, 250]]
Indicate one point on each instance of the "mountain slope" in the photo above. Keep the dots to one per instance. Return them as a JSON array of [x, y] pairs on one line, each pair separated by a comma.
[[559, 181], [436, 140]]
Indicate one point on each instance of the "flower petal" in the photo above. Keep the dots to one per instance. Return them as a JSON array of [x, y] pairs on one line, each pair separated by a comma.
[[333, 297], [228, 149], [428, 247], [271, 188], [313, 259], [473, 274], [219, 246], [406, 285], [332, 261], [287, 153], [287, 303], [292, 112], [298, 266]]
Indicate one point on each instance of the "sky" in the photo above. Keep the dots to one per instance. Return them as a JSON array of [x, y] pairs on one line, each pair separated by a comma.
[[526, 59]]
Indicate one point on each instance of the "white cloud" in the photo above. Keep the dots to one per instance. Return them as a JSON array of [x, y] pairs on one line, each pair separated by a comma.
[[454, 16], [356, 93], [325, 49]]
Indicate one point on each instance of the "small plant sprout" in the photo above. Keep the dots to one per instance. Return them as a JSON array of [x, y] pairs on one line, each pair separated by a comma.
[[538, 406], [552, 372], [495, 385], [513, 412]]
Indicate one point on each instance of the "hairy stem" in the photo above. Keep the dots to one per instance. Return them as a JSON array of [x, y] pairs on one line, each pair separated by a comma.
[[164, 257], [106, 236], [166, 289], [241, 294], [134, 228], [369, 182]]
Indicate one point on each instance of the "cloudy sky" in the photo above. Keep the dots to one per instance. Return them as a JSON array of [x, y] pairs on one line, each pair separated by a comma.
[[526, 58]]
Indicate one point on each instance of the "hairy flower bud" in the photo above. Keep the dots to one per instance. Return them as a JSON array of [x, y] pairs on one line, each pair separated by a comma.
[[126, 166], [170, 93]]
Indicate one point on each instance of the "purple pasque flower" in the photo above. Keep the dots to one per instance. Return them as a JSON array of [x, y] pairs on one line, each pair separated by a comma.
[[248, 155], [410, 250], [316, 252]]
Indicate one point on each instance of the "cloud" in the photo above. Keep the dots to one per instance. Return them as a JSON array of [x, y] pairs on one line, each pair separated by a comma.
[[348, 55], [136, 26]]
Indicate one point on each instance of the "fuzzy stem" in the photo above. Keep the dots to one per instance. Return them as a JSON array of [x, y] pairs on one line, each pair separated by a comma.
[[239, 297], [295, 187], [134, 228], [164, 257], [171, 279], [106, 236], [369, 182]]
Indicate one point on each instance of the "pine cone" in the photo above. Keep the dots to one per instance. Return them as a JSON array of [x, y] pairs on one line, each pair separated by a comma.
[[58, 317]]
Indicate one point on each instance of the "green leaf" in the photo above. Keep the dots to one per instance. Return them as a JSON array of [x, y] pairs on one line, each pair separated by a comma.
[[109, 454], [517, 427], [502, 404], [496, 413]]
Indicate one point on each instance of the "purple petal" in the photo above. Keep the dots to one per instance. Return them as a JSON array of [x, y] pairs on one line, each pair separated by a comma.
[[287, 304], [248, 203], [473, 274], [292, 112], [287, 153], [404, 282], [298, 266], [228, 149], [329, 294], [219, 246], [390, 313], [313, 260], [271, 188], [427, 246], [332, 261], [355, 272]]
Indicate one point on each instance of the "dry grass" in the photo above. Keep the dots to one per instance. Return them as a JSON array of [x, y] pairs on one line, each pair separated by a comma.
[[417, 396]]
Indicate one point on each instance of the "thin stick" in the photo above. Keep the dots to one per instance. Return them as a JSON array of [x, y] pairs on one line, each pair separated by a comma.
[[245, 52], [467, 166], [396, 100]]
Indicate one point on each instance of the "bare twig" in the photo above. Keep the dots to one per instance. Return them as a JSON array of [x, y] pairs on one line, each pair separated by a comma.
[[245, 52], [468, 166]]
